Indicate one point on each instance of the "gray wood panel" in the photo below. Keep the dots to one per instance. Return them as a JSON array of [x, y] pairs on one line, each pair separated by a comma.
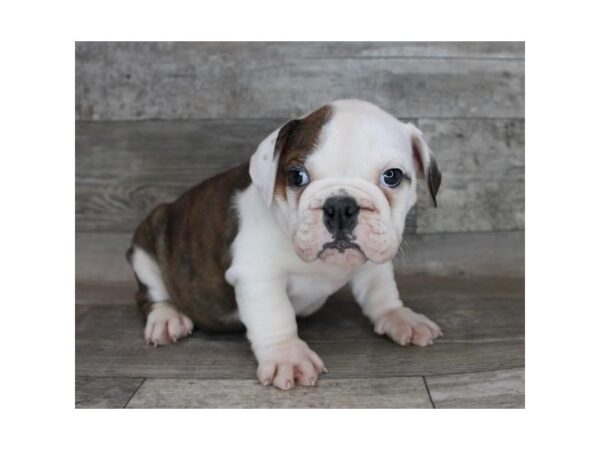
[[135, 81], [88, 51], [123, 170], [494, 254], [353, 393], [100, 257], [494, 389], [480, 334], [483, 166], [109, 392]]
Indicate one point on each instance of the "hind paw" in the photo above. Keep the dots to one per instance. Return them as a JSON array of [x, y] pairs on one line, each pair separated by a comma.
[[165, 325]]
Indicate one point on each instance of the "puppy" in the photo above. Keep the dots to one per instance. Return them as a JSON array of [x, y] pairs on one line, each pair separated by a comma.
[[321, 203]]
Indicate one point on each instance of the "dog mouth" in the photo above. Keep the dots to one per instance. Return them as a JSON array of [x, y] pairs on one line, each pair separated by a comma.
[[341, 244]]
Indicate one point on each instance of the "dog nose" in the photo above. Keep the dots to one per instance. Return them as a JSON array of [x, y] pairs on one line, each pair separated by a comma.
[[340, 213]]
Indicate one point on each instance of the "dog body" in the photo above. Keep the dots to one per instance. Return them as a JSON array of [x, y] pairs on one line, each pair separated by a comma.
[[322, 203]]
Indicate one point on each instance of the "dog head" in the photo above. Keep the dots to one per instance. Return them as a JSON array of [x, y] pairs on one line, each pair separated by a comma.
[[342, 180]]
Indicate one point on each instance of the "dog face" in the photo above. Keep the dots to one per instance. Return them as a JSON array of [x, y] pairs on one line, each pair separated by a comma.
[[343, 179]]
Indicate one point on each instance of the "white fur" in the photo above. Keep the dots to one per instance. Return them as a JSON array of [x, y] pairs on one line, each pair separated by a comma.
[[356, 146], [148, 272], [263, 165], [276, 268], [164, 324]]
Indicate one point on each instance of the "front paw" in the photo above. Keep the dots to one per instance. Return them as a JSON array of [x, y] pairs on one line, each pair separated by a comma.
[[288, 364], [404, 327]]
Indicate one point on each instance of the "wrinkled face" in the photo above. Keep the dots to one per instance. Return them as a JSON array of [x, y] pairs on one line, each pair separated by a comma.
[[343, 179]]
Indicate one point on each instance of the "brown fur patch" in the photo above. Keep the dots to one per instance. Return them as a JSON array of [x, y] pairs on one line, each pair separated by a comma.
[[190, 240], [432, 173], [297, 139]]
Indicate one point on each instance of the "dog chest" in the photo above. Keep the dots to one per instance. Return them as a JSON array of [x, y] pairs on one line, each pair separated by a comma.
[[309, 292]]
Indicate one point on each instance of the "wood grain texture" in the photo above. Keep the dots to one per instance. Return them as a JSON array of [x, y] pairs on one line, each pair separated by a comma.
[[354, 393], [100, 257], [123, 170], [413, 287], [483, 321], [249, 50], [494, 389], [98, 293], [493, 254], [109, 392], [483, 166], [480, 334], [463, 317], [135, 81]]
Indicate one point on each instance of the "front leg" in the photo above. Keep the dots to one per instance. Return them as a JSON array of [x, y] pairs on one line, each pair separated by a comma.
[[284, 360], [375, 290]]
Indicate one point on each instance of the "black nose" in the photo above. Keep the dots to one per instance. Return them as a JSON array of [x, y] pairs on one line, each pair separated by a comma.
[[340, 214]]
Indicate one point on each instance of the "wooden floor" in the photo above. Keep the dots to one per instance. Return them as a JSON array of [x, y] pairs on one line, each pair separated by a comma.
[[479, 363]]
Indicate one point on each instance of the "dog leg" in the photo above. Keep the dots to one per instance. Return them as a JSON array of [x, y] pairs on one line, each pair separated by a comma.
[[284, 360], [164, 323], [375, 290]]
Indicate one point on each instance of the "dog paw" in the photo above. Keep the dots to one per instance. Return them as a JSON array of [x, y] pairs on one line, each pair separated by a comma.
[[165, 325], [288, 364], [405, 327]]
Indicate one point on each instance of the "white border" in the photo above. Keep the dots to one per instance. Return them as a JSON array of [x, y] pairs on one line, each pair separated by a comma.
[[38, 222]]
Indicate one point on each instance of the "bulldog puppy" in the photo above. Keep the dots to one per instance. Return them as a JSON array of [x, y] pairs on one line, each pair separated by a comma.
[[322, 203]]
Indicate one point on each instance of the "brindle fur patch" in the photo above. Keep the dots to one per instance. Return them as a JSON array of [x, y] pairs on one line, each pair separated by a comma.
[[190, 240], [297, 139]]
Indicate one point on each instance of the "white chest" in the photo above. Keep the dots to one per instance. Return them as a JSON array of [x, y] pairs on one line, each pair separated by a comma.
[[309, 292]]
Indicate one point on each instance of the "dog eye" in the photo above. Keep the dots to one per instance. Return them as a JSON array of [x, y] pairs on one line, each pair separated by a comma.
[[298, 177], [392, 177]]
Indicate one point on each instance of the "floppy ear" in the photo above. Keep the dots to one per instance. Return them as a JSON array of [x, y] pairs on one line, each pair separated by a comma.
[[265, 161], [426, 165]]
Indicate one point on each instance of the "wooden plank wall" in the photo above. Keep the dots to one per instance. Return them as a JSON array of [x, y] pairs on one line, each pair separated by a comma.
[[155, 118]]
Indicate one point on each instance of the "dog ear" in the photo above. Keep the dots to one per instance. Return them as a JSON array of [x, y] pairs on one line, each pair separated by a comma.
[[265, 160], [425, 162]]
